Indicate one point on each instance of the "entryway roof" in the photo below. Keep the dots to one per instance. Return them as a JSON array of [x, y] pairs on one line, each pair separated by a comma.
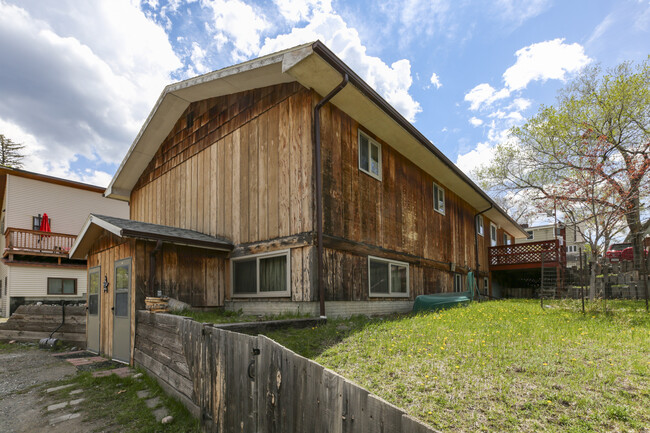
[[126, 228]]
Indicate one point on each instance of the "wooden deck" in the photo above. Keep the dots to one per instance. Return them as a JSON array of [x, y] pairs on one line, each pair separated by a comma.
[[36, 243], [527, 256]]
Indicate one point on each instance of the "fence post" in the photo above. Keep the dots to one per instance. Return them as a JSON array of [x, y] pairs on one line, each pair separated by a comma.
[[582, 281], [541, 285]]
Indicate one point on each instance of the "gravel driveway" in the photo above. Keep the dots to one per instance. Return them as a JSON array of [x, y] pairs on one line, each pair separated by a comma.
[[22, 405]]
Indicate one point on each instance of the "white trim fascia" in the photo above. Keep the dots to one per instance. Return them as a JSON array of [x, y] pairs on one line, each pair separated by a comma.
[[92, 219]]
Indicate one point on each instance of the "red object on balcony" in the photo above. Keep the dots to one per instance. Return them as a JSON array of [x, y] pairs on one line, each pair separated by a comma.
[[45, 224]]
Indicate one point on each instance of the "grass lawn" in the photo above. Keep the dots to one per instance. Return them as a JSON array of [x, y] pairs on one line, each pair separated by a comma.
[[499, 366]]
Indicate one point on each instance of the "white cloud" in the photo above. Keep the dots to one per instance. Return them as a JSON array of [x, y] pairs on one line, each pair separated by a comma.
[[473, 159], [240, 23], [435, 80], [545, 61], [78, 78], [392, 82], [301, 10], [198, 57], [520, 104], [474, 121], [484, 94], [519, 11]]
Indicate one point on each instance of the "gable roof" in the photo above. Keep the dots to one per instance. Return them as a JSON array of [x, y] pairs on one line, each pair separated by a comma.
[[315, 67], [125, 228]]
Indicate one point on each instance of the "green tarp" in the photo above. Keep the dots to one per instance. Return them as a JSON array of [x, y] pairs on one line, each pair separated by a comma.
[[440, 301]]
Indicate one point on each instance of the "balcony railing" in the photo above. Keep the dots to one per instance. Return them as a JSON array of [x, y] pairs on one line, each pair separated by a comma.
[[528, 255], [32, 242]]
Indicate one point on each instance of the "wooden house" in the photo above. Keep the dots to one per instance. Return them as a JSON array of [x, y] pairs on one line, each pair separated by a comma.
[[321, 197], [34, 265]]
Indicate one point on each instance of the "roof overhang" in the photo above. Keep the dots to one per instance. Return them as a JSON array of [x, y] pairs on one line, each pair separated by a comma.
[[315, 67], [94, 227]]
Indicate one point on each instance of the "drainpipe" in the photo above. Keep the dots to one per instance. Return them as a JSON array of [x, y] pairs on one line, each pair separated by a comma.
[[152, 266], [319, 190], [476, 244]]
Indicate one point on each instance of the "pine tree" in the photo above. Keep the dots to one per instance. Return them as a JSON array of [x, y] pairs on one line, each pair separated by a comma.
[[10, 153]]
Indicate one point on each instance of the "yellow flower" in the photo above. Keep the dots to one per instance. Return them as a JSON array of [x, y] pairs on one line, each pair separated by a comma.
[[544, 363]]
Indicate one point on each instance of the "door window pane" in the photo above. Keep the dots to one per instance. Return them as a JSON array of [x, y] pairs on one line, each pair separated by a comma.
[[378, 277], [93, 304], [245, 276], [273, 274], [122, 304], [93, 283], [122, 278]]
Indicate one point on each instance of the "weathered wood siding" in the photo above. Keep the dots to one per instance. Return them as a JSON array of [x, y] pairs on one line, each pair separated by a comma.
[[105, 252], [194, 276], [392, 218], [241, 170]]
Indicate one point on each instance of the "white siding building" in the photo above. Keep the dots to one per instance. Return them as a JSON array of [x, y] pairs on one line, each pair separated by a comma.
[[35, 266]]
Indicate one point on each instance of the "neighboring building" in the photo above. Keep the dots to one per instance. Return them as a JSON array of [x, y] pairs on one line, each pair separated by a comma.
[[35, 265], [223, 182], [570, 237]]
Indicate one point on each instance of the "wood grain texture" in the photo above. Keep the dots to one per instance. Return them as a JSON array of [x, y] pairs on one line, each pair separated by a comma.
[[247, 178]]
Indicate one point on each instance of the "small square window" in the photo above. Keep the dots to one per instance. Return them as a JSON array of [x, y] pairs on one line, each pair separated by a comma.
[[531, 234], [438, 198], [387, 277], [369, 156], [480, 225]]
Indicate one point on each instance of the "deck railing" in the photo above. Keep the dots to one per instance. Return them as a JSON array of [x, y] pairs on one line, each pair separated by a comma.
[[33, 242], [528, 255]]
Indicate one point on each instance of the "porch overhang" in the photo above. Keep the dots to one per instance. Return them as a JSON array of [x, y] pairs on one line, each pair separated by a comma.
[[95, 225]]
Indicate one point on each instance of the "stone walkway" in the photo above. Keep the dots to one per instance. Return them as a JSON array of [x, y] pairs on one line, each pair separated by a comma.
[[56, 410]]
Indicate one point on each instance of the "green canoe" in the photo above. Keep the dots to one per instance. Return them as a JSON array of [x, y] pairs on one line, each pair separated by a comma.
[[441, 301]]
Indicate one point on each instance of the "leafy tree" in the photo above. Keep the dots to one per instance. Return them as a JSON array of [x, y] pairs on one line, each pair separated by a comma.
[[10, 152], [588, 154]]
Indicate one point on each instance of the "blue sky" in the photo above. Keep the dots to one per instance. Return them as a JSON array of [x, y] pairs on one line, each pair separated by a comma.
[[77, 79]]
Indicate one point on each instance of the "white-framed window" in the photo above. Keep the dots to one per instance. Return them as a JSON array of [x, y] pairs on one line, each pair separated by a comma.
[[458, 283], [531, 234], [438, 198], [572, 249], [493, 235], [387, 277], [260, 275], [480, 225], [506, 239], [486, 285], [369, 156]]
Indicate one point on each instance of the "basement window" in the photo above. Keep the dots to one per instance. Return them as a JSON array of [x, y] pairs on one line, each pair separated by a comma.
[[369, 156], [61, 286], [388, 277], [458, 283], [438, 198], [261, 275]]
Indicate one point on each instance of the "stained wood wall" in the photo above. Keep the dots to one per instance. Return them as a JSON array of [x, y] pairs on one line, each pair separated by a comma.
[[105, 252], [241, 170], [395, 214], [194, 276]]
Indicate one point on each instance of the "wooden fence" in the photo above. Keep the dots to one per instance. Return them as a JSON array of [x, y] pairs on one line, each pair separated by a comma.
[[33, 322], [243, 383]]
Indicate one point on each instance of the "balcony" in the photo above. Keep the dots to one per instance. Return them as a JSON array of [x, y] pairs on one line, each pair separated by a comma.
[[35, 243], [527, 256]]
